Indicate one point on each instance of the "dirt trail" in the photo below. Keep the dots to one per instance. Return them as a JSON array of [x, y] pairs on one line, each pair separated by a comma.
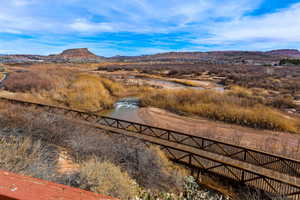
[[285, 144]]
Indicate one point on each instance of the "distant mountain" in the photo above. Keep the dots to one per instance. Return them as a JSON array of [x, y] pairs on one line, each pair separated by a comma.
[[77, 55], [285, 52], [217, 57], [83, 55]]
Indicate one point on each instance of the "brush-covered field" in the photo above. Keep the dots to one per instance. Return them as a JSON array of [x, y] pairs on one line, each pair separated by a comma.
[[121, 167], [89, 91]]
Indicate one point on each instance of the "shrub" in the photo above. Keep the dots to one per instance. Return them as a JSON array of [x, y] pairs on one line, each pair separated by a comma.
[[106, 178], [24, 156], [148, 166], [27, 81], [87, 92], [282, 102], [2, 68], [289, 61]]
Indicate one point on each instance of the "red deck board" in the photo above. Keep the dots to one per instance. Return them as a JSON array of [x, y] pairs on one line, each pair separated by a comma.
[[15, 186]]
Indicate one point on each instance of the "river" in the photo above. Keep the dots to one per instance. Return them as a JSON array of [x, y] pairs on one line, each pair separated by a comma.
[[128, 108]]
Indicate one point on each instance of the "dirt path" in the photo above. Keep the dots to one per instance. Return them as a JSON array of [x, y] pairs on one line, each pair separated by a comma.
[[285, 144]]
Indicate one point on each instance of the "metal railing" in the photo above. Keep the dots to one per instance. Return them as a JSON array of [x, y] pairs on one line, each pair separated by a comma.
[[286, 167]]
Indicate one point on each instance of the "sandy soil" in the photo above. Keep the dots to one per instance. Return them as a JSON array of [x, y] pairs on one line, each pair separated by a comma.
[[65, 164], [281, 143]]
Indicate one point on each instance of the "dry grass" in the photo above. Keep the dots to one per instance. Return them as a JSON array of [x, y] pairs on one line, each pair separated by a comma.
[[114, 88], [87, 92], [64, 86], [186, 82], [240, 92], [24, 156], [261, 96], [27, 81], [149, 167], [106, 178], [222, 107]]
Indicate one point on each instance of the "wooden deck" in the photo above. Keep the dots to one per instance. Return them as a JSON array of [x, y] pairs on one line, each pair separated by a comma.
[[18, 187]]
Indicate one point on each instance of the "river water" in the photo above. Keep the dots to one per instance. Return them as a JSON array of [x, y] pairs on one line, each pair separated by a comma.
[[127, 109]]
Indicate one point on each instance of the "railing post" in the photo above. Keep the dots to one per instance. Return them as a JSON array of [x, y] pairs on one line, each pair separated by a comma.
[[245, 155], [191, 166], [243, 172]]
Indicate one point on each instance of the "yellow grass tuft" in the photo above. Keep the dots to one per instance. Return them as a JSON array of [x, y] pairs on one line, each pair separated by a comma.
[[240, 91], [106, 178], [114, 88], [186, 82], [87, 92]]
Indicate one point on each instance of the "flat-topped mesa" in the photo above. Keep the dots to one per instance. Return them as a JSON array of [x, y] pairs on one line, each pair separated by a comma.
[[79, 55]]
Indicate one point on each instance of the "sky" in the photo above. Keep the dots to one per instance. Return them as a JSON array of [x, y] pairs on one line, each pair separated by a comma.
[[140, 27]]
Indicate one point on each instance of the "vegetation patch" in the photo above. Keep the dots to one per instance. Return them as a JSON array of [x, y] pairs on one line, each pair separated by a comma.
[[66, 87], [289, 61], [24, 156], [107, 178], [87, 92], [240, 108], [27, 81]]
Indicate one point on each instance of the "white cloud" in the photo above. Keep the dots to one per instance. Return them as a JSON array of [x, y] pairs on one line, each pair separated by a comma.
[[281, 27], [82, 25], [221, 24], [155, 16]]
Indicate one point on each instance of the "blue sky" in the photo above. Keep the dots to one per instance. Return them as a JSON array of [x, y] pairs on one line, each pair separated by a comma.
[[135, 27]]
